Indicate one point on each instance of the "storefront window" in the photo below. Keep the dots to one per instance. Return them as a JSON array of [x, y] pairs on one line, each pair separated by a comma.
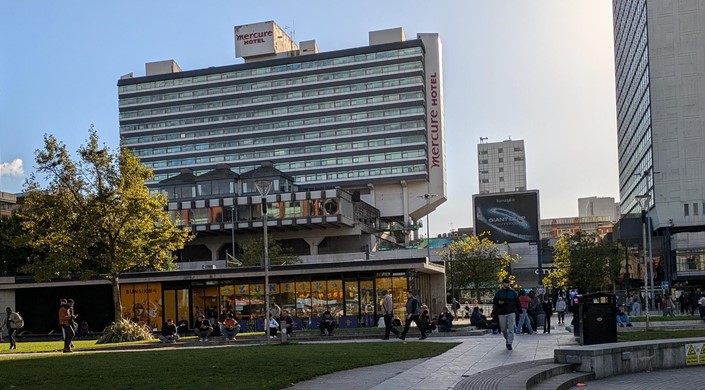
[[318, 294], [257, 299], [334, 297], [287, 296], [352, 298], [142, 302], [303, 299]]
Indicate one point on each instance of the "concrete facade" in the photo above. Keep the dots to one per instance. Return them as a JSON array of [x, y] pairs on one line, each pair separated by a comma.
[[598, 207], [502, 166]]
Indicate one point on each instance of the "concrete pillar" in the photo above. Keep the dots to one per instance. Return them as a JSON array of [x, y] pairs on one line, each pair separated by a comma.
[[313, 244], [214, 247]]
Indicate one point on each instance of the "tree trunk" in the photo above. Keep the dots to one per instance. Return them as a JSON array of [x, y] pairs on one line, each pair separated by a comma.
[[117, 304]]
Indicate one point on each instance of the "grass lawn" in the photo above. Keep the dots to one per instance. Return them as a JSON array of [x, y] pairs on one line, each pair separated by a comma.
[[247, 367], [660, 334]]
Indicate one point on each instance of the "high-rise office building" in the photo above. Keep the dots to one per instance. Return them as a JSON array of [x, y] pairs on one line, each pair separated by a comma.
[[501, 166], [598, 207], [659, 76]]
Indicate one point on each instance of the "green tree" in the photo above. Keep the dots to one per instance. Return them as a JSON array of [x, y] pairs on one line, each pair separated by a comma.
[[478, 263], [253, 252], [14, 247], [558, 278], [95, 217], [584, 261]]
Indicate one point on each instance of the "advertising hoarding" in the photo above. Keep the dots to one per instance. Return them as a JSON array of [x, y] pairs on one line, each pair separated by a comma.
[[508, 217]]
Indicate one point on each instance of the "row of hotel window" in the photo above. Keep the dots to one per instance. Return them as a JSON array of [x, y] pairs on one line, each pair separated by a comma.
[[501, 160], [351, 86], [361, 146], [150, 303], [273, 112], [219, 187], [298, 136], [338, 175], [340, 61]]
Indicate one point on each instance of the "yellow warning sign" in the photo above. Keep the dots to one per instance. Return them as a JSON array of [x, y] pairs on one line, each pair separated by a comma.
[[691, 354], [701, 355]]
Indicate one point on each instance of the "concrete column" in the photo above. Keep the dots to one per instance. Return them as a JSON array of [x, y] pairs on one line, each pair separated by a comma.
[[313, 243], [214, 247]]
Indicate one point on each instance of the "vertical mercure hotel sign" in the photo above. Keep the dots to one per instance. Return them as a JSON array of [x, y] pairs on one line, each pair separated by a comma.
[[434, 113]]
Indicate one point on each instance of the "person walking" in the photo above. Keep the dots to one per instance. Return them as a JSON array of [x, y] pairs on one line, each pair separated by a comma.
[[524, 316], [506, 302], [413, 309], [560, 309], [66, 320], [388, 311], [668, 305], [12, 323]]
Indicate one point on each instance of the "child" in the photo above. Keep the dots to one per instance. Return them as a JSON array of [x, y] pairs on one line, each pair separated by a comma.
[[273, 326]]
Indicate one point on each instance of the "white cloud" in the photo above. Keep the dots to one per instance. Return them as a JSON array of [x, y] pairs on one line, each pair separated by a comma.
[[12, 169]]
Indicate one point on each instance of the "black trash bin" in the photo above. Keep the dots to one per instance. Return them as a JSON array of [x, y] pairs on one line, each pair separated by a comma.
[[597, 314]]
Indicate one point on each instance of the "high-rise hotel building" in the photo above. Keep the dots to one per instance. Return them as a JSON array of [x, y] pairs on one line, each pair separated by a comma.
[[368, 119], [660, 74]]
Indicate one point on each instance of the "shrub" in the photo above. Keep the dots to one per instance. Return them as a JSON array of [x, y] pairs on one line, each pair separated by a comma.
[[123, 331]]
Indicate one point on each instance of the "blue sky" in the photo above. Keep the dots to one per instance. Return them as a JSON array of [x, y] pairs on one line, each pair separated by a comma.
[[541, 71]]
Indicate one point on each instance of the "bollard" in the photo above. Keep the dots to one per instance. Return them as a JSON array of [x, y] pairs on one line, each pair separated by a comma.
[[284, 335]]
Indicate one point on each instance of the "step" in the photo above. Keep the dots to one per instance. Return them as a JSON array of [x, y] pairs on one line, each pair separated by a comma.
[[531, 376], [563, 381], [490, 379]]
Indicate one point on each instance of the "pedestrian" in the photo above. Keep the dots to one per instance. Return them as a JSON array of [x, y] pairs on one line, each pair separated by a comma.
[[636, 305], [524, 301], [455, 305], [534, 309], [413, 309], [693, 298], [668, 305], [388, 312], [560, 309], [67, 320], [506, 301], [12, 323], [547, 306]]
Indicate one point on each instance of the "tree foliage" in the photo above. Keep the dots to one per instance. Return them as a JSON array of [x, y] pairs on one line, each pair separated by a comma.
[[253, 253], [14, 246], [95, 216], [584, 261], [478, 263]]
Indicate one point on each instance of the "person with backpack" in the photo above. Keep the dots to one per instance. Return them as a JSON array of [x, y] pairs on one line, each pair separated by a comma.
[[14, 323], [66, 319], [506, 301], [413, 309]]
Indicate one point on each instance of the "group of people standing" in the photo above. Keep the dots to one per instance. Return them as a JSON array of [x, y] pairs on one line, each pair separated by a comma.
[[518, 310]]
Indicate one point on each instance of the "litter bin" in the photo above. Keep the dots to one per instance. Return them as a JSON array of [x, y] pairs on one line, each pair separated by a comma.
[[597, 314]]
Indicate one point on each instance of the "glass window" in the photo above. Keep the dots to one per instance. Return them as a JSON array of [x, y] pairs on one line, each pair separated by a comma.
[[686, 209]]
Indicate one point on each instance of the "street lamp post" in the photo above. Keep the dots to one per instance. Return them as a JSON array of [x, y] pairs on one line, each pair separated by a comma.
[[428, 227], [452, 277], [263, 187], [232, 229], [644, 202]]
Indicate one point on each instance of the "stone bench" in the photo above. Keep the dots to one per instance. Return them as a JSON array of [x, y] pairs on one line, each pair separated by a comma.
[[606, 360]]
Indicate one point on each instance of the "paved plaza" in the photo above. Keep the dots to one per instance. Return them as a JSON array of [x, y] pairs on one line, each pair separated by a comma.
[[690, 378]]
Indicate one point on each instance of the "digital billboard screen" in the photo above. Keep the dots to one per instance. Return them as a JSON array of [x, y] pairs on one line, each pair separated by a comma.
[[508, 217]]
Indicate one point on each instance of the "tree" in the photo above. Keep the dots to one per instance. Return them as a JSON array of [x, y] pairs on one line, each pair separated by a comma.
[[14, 247], [584, 261], [96, 217], [558, 278], [479, 263], [253, 253]]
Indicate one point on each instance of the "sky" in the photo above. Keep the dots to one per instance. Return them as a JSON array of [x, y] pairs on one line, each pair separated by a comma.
[[541, 71]]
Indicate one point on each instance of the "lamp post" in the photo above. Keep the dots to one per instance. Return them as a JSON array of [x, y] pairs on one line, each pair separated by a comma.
[[644, 203], [232, 230], [428, 227], [263, 187]]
